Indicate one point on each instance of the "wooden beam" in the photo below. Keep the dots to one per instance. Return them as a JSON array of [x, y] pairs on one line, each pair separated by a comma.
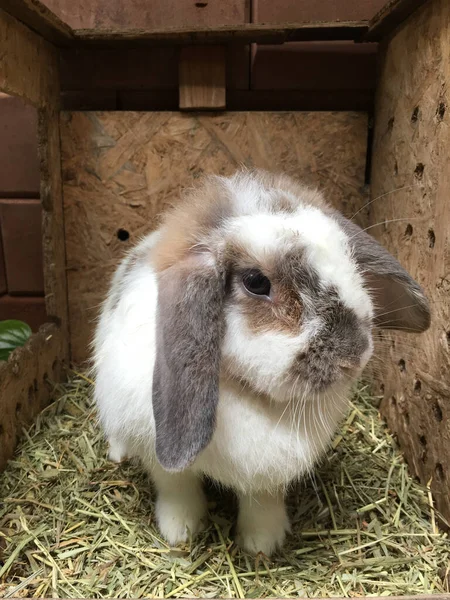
[[29, 65], [37, 17], [249, 32], [390, 17], [202, 78]]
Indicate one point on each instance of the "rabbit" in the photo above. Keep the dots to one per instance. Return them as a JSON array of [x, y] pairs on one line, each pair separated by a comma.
[[229, 342]]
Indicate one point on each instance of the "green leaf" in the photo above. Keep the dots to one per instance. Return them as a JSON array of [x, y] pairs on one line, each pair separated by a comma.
[[12, 335]]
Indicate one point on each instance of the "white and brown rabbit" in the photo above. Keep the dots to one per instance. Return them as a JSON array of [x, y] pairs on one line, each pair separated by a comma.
[[229, 341]]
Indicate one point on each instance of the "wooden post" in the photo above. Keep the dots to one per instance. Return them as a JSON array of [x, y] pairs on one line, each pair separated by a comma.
[[202, 78]]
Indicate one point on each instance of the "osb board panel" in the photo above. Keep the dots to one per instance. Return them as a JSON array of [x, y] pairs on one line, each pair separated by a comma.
[[120, 170], [26, 384], [28, 64], [411, 165]]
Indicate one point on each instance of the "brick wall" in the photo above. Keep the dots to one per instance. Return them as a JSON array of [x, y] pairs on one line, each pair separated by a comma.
[[21, 272]]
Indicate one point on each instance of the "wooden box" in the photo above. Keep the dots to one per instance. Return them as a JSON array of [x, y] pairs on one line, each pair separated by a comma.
[[107, 174]]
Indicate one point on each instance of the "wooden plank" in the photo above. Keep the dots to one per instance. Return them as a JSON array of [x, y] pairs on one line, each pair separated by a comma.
[[26, 384], [202, 78], [393, 14], [411, 182], [149, 14], [121, 169], [29, 65], [37, 17], [53, 242], [249, 32], [291, 11]]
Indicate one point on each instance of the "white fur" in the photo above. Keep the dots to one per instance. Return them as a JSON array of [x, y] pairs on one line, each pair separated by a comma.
[[262, 442]]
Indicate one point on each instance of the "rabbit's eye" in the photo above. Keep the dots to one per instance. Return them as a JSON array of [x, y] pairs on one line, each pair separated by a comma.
[[256, 283]]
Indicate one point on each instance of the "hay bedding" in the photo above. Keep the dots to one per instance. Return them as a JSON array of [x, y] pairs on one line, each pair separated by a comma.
[[74, 525]]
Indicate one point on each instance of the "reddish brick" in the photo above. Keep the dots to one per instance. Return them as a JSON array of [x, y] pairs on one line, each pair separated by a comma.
[[3, 288], [31, 310], [145, 14], [89, 100], [19, 163], [300, 100], [314, 66], [148, 100], [238, 67], [22, 244], [114, 69], [290, 11]]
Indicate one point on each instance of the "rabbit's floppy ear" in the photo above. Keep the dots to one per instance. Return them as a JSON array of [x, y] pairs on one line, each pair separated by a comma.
[[189, 330], [400, 303]]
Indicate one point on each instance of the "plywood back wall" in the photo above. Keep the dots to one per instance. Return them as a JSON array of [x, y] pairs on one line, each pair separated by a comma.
[[121, 170]]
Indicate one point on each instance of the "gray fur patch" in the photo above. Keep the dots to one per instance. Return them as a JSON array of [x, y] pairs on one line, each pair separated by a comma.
[[186, 376], [400, 302], [341, 341]]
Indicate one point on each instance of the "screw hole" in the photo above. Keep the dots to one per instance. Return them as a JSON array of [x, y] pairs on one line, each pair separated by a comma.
[[418, 171], [437, 412], [409, 230], [431, 238], [123, 235], [440, 112], [417, 386], [415, 115]]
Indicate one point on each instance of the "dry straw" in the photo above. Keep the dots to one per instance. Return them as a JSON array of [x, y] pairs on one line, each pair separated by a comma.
[[74, 525]]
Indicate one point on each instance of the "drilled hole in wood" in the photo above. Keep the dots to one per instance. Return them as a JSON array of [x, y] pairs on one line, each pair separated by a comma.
[[440, 112], [431, 238], [415, 115], [402, 365], [417, 386], [409, 230], [418, 171], [437, 411], [390, 124], [123, 235], [439, 471]]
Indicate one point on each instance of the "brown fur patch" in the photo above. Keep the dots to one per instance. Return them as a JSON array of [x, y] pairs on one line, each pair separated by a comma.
[[190, 222], [282, 314]]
